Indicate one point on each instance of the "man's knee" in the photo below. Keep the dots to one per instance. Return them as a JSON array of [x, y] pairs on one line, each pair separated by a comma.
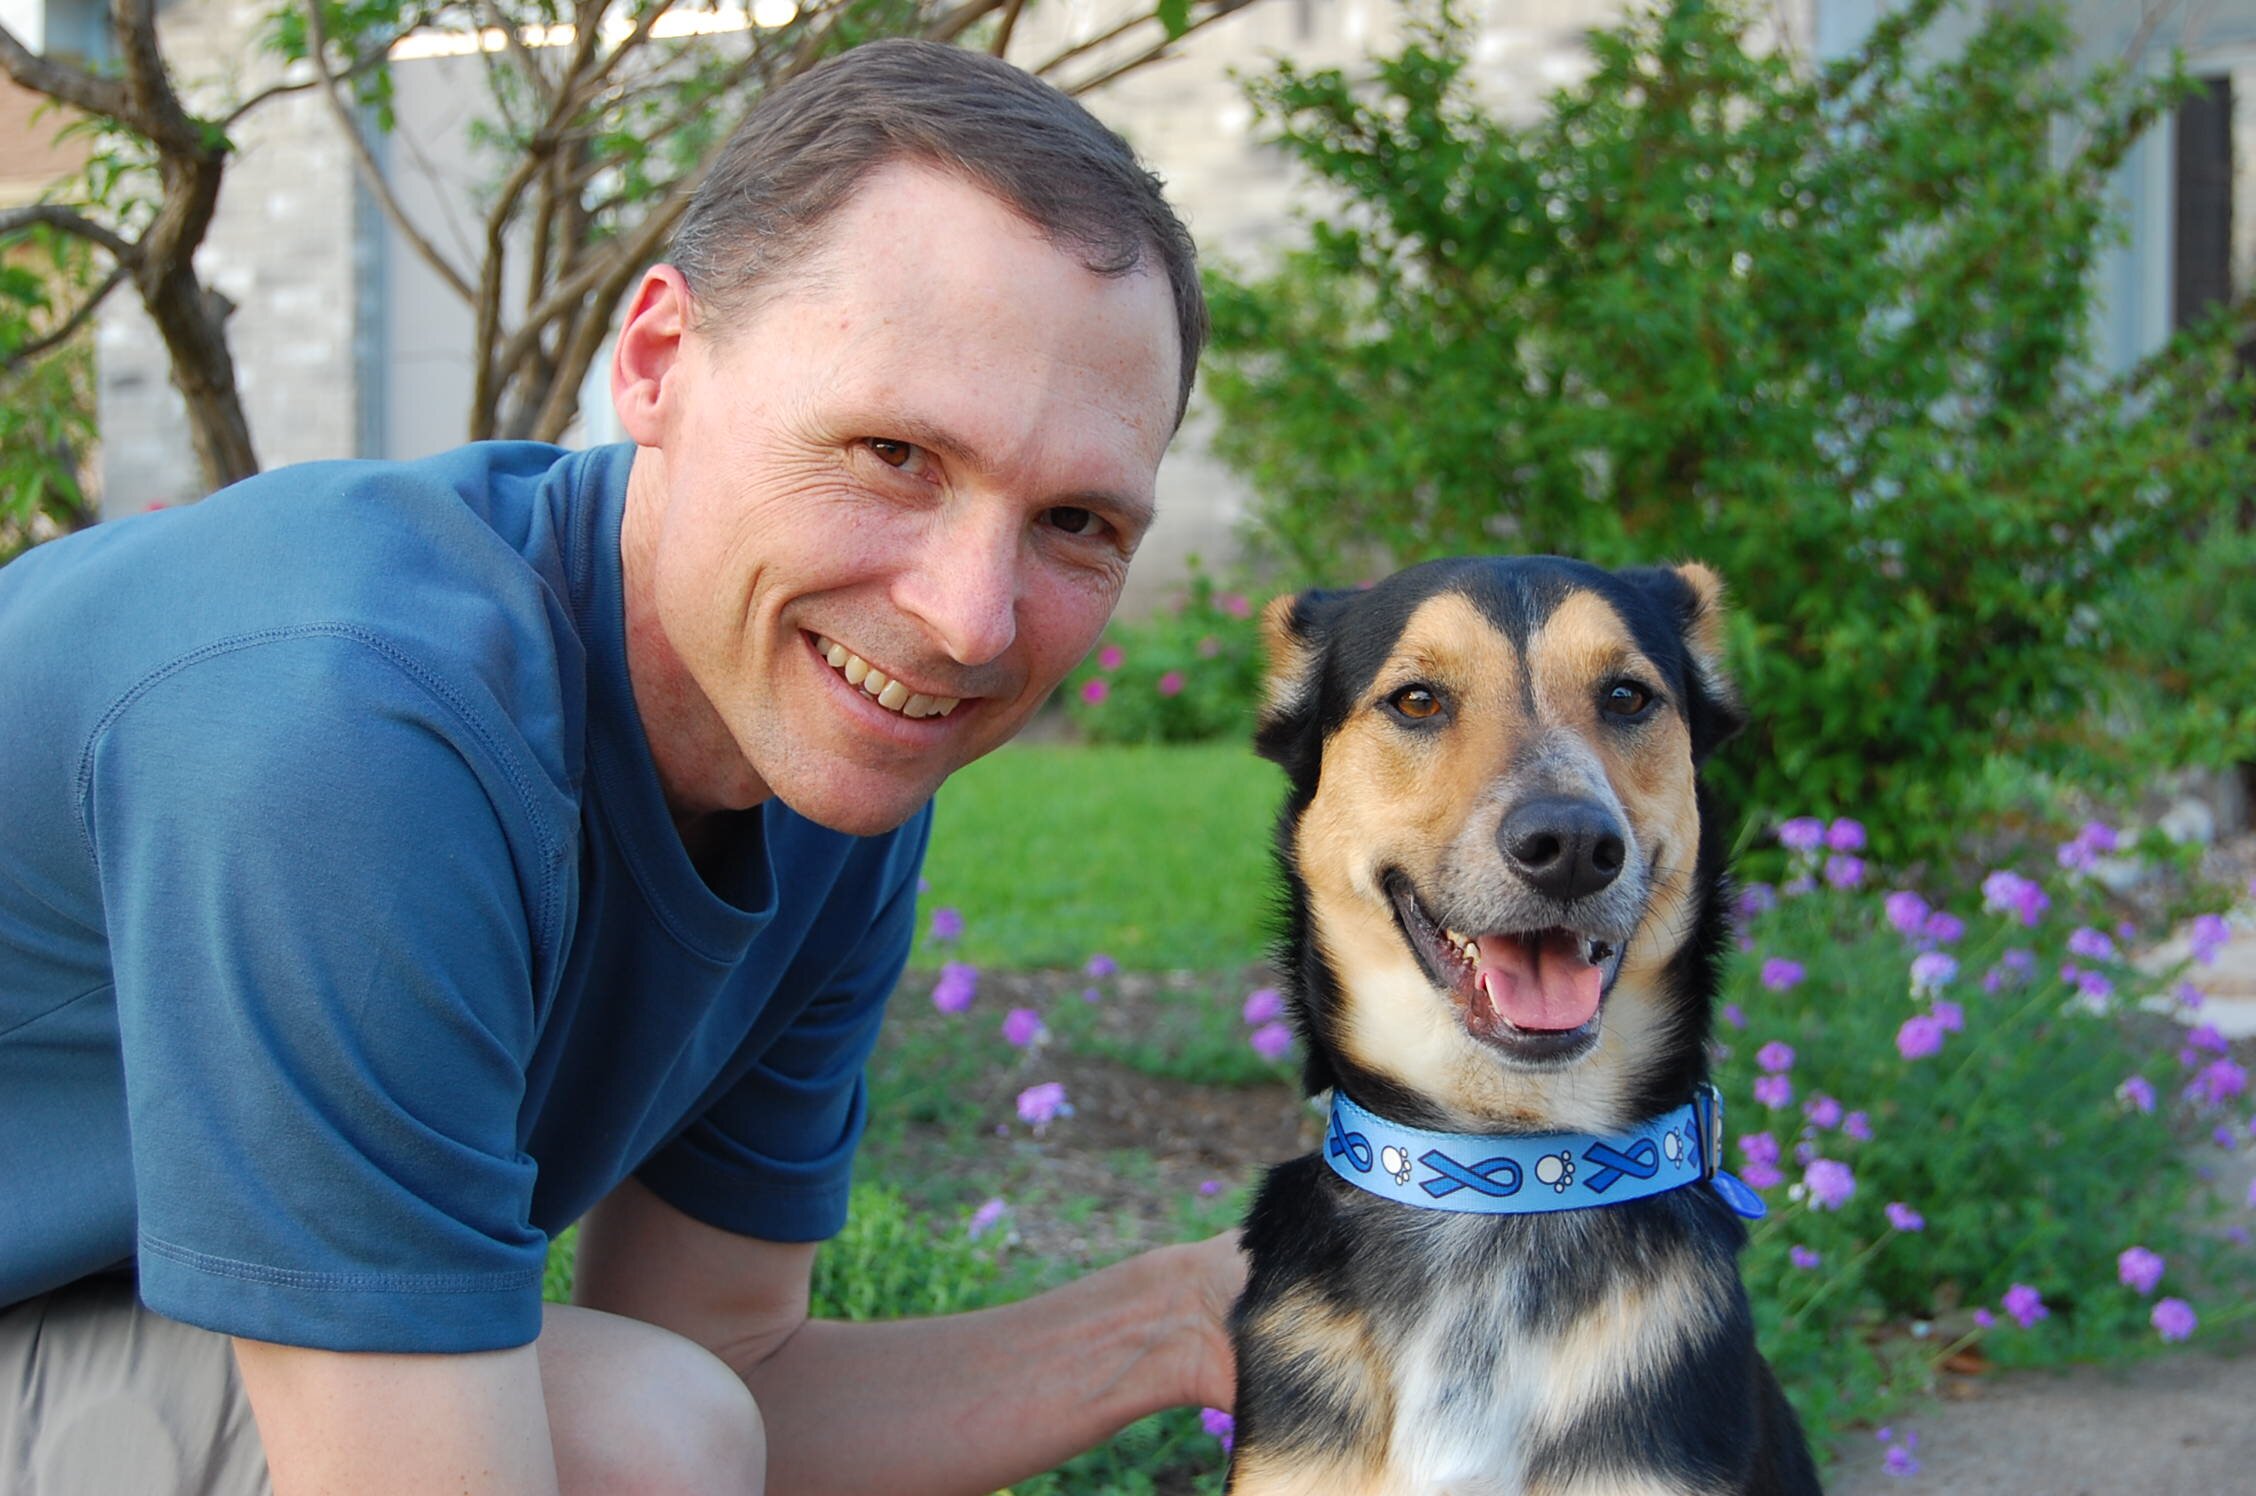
[[633, 1408]]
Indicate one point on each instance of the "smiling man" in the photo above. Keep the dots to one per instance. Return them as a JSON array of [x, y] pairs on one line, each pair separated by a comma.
[[407, 861]]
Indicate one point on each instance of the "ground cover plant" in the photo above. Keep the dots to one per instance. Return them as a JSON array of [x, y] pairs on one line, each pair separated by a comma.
[[1825, 328]]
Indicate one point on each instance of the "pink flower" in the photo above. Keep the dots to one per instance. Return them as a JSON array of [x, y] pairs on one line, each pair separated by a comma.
[[1111, 657], [2025, 1304], [984, 1219], [1263, 1005], [1021, 1027], [1984, 1318], [1236, 604], [1041, 1105], [2174, 1319], [1170, 684], [1094, 691], [1831, 1183], [1919, 1037], [1270, 1041], [957, 986], [1219, 1425], [1209, 646], [1774, 1091], [1782, 975], [2139, 1269]]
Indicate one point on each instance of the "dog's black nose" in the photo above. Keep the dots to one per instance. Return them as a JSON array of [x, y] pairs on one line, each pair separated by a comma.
[[1566, 848]]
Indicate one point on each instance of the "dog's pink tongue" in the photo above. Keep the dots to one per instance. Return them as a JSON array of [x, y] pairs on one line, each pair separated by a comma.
[[1541, 984]]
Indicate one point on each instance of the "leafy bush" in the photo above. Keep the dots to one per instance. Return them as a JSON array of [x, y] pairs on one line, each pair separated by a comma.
[[1975, 1064], [1828, 331], [46, 398], [1189, 673]]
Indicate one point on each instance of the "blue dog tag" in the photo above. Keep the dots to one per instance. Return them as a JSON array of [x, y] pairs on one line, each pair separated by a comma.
[[1740, 1198]]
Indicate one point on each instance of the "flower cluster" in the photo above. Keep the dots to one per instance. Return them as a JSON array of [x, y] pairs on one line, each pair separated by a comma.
[[1264, 1013]]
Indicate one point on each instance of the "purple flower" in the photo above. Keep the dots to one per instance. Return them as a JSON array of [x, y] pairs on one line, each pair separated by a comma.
[[2139, 1269], [1220, 1425], [1950, 1015], [1735, 1015], [1762, 1176], [1802, 1257], [1170, 684], [1802, 834], [1945, 928], [1091, 995], [2174, 1319], [1100, 966], [1782, 975], [1210, 1187], [1773, 1091], [1755, 899], [1775, 1057], [1984, 1319], [1021, 1027], [1209, 646], [2210, 1038], [1830, 1182], [1933, 971], [2136, 1091], [2009, 893], [984, 1219], [2091, 944], [957, 986], [1904, 1218], [1041, 1105], [2252, 1194], [1857, 1125], [2025, 1304], [1900, 1462], [1844, 871], [1270, 1041], [2217, 1082], [1264, 1005], [1907, 911], [1111, 657], [947, 923], [1845, 835], [1236, 604], [1094, 691], [1759, 1148], [1919, 1037], [1823, 1112], [2095, 986], [2189, 997]]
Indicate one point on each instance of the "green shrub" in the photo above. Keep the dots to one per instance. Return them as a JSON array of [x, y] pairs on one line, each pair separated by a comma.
[[1190, 673], [2021, 1142], [1827, 331]]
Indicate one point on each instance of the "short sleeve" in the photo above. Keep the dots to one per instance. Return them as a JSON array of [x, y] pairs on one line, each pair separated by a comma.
[[773, 1157], [326, 889]]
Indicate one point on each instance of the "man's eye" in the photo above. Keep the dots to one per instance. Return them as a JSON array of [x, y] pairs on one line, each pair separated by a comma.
[[907, 456], [1073, 520]]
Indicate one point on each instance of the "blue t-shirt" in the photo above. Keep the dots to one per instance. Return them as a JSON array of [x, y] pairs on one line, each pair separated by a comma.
[[347, 948]]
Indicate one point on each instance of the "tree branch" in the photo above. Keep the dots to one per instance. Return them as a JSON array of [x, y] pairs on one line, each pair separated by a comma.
[[39, 345], [73, 86], [367, 61], [71, 221], [1223, 10], [1010, 24], [365, 159]]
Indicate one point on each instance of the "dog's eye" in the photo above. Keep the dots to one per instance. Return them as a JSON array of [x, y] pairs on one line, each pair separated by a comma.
[[1415, 702], [1626, 698]]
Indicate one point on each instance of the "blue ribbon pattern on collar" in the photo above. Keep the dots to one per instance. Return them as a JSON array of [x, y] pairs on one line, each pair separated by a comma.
[[1533, 1173]]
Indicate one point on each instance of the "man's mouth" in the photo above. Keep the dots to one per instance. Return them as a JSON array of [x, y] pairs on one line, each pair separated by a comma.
[[878, 686], [1534, 993]]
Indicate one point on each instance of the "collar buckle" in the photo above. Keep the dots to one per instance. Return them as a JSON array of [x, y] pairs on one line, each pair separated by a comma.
[[1707, 1104]]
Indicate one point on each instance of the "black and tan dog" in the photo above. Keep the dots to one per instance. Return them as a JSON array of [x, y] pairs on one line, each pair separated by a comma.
[[1505, 913]]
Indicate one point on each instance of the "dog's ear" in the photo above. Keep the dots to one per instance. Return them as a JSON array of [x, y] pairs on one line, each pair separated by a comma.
[[1692, 596], [1295, 630]]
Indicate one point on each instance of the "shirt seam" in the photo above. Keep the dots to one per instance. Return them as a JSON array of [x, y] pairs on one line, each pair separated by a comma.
[[499, 1280]]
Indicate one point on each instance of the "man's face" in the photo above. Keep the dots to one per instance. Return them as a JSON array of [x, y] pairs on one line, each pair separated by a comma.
[[931, 450]]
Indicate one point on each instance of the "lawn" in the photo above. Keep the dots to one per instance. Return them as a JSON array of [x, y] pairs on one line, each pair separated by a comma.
[[1156, 857]]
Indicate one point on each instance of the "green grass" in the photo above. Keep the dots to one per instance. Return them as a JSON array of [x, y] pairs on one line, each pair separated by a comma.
[[1157, 856]]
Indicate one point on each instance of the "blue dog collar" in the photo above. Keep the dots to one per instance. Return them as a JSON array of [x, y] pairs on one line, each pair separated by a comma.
[[1531, 1173]]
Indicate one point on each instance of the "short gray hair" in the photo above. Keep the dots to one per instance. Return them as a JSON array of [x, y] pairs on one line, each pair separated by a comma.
[[806, 146]]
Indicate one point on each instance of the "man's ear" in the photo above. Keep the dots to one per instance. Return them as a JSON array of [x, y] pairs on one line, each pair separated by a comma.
[[1693, 597], [1295, 633], [649, 348]]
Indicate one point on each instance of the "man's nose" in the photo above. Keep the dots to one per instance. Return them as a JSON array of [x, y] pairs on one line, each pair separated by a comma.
[[964, 587]]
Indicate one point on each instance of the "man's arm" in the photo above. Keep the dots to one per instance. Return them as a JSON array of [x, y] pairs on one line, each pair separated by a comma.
[[334, 1421], [963, 1404]]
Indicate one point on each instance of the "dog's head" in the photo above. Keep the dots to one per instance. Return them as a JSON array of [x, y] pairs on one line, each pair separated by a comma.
[[1505, 909]]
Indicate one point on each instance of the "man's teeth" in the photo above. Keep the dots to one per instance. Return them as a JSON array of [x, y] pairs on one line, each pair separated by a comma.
[[882, 689]]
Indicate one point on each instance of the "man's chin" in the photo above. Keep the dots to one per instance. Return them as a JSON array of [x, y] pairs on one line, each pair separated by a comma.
[[856, 804]]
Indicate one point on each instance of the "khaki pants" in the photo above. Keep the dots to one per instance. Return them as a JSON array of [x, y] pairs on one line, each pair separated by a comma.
[[100, 1397]]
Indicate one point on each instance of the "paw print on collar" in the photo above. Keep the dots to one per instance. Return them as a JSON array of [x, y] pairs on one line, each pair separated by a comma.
[[1556, 1170], [1395, 1162]]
